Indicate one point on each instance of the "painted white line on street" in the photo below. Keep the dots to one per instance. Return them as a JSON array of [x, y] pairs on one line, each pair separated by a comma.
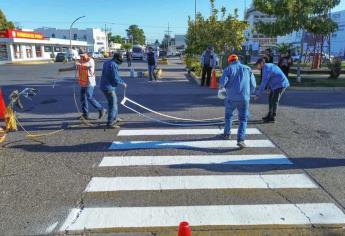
[[227, 215], [110, 184], [160, 132], [214, 144], [265, 159]]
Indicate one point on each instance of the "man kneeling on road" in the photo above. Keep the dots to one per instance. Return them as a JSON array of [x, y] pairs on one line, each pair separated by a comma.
[[239, 82], [275, 80], [109, 81]]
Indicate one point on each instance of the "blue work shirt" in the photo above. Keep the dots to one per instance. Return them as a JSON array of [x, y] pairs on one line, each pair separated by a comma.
[[239, 82], [110, 76], [273, 78]]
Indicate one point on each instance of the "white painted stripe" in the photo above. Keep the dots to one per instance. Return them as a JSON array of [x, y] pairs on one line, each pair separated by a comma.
[[110, 184], [265, 159], [118, 145], [160, 132], [228, 215]]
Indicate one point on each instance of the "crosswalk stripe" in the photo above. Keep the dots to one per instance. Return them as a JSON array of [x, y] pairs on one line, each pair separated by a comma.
[[265, 159], [120, 145], [160, 132], [280, 181], [216, 215]]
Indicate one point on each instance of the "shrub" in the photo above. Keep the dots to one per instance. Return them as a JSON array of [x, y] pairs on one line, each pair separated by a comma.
[[335, 68], [193, 64]]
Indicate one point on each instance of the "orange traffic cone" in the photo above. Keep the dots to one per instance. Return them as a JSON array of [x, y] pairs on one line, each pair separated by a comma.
[[184, 229], [214, 83], [2, 106]]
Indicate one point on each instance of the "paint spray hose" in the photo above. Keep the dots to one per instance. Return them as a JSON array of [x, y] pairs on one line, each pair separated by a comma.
[[193, 122], [31, 135]]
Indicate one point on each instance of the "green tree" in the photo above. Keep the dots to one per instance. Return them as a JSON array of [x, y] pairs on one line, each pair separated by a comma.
[[295, 15], [115, 38], [4, 24], [217, 30], [136, 34], [284, 48], [126, 46]]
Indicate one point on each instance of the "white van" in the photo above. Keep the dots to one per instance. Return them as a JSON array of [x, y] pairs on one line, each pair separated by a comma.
[[138, 52]]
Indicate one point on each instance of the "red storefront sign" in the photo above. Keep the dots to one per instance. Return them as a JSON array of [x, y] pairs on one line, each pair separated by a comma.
[[21, 34]]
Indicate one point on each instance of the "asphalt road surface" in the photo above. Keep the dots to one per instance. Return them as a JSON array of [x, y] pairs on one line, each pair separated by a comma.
[[149, 176]]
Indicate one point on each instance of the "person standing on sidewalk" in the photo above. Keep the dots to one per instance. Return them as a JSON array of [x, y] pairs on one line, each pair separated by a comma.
[[285, 63], [109, 81], [129, 58], [276, 82], [208, 62], [151, 62], [87, 80], [239, 82]]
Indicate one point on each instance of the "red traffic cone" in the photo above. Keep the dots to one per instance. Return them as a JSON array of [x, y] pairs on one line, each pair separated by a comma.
[[184, 229], [214, 83], [2, 106]]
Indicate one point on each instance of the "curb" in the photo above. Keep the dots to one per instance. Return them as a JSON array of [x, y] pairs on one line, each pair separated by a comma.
[[194, 77], [330, 89], [31, 62]]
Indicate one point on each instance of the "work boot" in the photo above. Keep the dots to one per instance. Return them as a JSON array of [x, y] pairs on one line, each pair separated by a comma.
[[113, 126], [225, 136], [241, 144], [119, 120], [101, 113], [270, 119], [84, 117], [266, 117]]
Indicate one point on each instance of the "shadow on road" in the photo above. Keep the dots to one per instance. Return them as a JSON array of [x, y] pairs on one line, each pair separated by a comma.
[[298, 163]]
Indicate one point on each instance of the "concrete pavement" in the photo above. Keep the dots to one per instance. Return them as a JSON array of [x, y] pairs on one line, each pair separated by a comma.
[[43, 186]]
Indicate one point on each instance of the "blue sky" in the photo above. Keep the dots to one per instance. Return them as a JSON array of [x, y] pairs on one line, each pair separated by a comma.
[[151, 15]]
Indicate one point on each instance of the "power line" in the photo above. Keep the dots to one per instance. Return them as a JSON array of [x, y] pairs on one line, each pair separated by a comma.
[[98, 22]]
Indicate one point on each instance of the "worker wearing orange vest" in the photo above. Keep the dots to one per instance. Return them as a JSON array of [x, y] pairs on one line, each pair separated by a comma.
[[87, 80]]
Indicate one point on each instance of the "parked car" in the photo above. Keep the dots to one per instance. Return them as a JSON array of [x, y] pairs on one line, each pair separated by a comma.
[[61, 57]]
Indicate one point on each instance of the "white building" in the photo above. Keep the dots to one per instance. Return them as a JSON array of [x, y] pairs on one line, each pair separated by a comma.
[[256, 41], [337, 38], [19, 46], [96, 38]]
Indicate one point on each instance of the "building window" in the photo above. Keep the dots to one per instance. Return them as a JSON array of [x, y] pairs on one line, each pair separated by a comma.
[[64, 49], [75, 36], [28, 51], [3, 52], [17, 52], [64, 37], [38, 51], [85, 38], [57, 49], [47, 49], [53, 35]]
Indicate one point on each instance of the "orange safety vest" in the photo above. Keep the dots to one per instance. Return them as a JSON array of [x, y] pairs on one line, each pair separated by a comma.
[[83, 76]]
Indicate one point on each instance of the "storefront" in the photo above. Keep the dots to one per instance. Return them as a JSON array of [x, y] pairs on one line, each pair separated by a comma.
[[18, 46]]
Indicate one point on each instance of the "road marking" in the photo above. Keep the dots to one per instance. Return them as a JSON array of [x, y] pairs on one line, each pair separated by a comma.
[[265, 159], [160, 132], [283, 181], [231, 215], [214, 144]]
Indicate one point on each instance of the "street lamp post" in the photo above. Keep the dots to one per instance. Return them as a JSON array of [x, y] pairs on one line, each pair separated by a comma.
[[70, 31]]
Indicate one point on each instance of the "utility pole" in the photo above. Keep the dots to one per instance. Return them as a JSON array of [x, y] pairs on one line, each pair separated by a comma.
[[106, 38], [168, 33]]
